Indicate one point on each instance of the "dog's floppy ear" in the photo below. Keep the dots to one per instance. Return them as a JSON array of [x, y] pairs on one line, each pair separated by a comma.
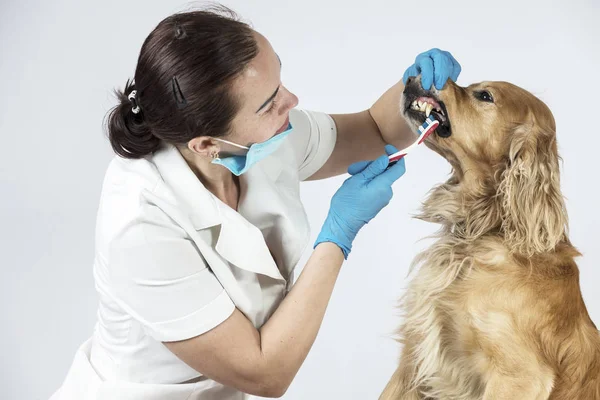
[[534, 218]]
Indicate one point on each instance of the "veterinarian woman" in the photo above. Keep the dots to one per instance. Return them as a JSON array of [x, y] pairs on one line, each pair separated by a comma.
[[200, 222]]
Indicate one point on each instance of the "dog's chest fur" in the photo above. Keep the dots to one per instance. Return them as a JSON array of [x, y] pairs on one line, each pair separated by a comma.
[[442, 318]]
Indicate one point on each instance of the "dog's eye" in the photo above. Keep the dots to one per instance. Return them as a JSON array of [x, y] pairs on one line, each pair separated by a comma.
[[484, 95]]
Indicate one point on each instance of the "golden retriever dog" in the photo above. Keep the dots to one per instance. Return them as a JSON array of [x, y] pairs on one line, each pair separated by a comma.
[[494, 309]]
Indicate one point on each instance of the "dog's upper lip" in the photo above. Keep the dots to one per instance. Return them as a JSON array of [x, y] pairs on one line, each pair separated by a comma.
[[421, 96], [435, 102], [428, 99], [412, 94]]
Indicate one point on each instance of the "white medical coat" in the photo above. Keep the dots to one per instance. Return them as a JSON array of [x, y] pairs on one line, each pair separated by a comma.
[[173, 261]]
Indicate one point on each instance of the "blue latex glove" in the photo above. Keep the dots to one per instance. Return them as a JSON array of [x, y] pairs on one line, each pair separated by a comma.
[[436, 66], [359, 199]]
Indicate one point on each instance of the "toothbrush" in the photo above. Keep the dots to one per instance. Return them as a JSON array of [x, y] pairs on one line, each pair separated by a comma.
[[424, 131]]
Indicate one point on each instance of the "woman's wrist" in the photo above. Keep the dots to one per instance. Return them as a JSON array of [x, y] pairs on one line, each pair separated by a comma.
[[331, 250]]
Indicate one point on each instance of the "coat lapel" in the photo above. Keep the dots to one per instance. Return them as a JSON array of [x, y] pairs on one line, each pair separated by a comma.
[[239, 242], [271, 202]]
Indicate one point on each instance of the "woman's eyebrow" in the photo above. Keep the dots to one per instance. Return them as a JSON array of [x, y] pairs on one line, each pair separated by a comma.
[[269, 99]]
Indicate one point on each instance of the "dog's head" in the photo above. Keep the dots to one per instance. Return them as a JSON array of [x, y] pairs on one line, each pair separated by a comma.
[[501, 137]]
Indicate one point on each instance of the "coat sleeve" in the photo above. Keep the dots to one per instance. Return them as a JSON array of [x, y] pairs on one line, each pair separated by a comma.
[[313, 139], [160, 278]]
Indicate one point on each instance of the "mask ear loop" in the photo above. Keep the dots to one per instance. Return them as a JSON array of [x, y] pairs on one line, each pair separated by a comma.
[[233, 144]]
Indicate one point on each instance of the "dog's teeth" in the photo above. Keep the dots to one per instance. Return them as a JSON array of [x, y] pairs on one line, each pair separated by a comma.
[[428, 109], [415, 106]]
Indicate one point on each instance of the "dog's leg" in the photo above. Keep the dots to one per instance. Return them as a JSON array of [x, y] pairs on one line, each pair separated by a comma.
[[510, 367], [501, 387], [400, 386]]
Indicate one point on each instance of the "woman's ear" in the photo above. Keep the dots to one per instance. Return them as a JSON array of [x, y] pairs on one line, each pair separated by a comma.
[[203, 146], [534, 217]]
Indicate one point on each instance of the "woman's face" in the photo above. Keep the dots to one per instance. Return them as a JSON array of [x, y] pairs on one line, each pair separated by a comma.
[[264, 102], [264, 106]]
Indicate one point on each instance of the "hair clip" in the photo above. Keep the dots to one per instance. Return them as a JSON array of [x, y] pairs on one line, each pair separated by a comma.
[[178, 94], [179, 32]]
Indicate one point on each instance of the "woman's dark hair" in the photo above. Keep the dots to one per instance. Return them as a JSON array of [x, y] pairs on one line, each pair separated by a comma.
[[183, 79]]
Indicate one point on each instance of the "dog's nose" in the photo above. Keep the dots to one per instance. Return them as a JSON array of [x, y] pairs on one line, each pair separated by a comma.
[[413, 82], [413, 86]]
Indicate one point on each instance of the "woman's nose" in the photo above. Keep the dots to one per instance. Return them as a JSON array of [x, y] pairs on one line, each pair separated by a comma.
[[290, 102]]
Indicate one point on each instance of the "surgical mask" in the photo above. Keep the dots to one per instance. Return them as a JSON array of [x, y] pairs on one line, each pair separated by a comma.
[[256, 152]]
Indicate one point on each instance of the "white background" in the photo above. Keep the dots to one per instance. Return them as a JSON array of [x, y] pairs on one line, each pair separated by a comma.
[[59, 61]]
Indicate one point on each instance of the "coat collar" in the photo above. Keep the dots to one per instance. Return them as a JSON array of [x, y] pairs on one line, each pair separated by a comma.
[[239, 241], [191, 196]]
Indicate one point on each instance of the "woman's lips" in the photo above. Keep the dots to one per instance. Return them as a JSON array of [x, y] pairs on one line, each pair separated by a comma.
[[284, 126]]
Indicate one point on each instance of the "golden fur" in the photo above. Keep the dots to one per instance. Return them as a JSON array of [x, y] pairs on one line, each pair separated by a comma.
[[494, 310]]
